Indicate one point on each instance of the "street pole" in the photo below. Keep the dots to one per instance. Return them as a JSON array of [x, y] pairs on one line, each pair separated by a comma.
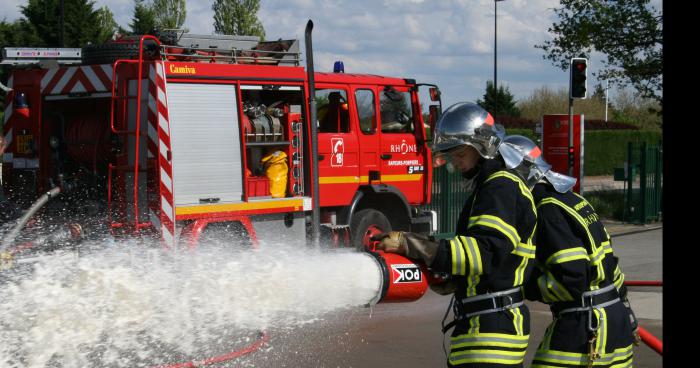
[[606, 101], [571, 136], [495, 44]]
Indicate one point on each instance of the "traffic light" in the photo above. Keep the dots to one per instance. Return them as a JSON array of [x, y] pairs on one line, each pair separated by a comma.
[[577, 83]]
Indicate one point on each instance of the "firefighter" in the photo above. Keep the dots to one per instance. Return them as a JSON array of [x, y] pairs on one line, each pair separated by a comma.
[[491, 255], [576, 272]]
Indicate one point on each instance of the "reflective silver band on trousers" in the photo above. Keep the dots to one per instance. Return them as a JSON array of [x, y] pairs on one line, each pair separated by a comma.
[[493, 297]]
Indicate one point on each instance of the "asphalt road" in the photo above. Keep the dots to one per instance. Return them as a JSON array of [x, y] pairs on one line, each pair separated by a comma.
[[408, 334]]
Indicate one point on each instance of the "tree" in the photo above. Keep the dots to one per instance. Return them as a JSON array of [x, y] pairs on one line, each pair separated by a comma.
[[43, 21], [238, 17], [499, 103], [599, 92], [107, 26], [169, 14], [18, 33], [144, 20], [627, 32]]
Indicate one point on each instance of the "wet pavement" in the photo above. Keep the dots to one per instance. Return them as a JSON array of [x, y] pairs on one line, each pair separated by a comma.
[[408, 334]]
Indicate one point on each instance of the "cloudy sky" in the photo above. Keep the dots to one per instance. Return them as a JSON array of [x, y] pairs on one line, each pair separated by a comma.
[[446, 42]]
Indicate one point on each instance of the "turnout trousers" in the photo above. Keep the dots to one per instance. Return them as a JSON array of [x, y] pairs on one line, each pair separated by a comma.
[[567, 341], [488, 340]]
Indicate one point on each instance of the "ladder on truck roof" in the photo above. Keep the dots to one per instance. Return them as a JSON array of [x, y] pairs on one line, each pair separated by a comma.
[[178, 45], [40, 55]]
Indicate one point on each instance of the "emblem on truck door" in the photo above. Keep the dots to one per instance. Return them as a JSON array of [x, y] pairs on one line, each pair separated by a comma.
[[337, 150]]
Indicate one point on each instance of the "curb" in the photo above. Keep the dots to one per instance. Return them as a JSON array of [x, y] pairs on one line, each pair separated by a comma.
[[636, 231]]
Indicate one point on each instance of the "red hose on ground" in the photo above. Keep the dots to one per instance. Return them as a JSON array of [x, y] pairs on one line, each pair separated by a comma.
[[644, 283], [650, 340], [222, 358]]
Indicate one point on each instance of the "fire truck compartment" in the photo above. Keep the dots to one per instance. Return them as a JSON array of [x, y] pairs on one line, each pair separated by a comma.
[[206, 153]]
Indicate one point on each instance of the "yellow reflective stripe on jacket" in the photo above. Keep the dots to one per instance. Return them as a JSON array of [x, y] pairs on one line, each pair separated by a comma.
[[459, 259], [476, 268], [606, 246], [552, 290], [597, 254], [496, 223], [618, 278], [567, 255], [523, 188], [519, 278], [525, 250]]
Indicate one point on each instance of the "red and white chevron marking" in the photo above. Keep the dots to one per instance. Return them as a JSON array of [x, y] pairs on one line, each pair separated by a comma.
[[7, 126], [159, 144], [77, 79]]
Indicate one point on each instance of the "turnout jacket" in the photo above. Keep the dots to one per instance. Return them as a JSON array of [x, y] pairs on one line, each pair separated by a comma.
[[493, 247], [574, 253], [574, 256], [492, 251]]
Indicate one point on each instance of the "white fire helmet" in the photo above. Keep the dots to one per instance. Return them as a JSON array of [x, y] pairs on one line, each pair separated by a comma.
[[525, 157], [466, 123]]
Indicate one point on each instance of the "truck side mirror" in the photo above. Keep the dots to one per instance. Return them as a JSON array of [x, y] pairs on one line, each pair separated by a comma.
[[434, 94], [434, 111]]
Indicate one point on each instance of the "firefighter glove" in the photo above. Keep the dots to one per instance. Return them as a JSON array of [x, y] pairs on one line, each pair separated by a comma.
[[411, 245], [391, 242]]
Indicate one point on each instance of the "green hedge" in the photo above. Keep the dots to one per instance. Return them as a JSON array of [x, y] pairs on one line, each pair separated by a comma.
[[604, 149]]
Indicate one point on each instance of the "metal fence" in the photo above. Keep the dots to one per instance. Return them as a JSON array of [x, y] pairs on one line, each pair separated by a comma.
[[643, 194], [448, 198]]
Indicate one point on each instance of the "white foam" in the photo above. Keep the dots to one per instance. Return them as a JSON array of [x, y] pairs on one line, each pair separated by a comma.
[[126, 305]]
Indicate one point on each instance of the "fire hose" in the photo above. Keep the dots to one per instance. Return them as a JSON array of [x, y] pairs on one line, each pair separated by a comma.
[[264, 338], [10, 237]]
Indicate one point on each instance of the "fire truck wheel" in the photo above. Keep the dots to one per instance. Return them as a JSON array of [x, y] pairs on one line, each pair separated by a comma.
[[365, 224], [230, 233], [109, 53]]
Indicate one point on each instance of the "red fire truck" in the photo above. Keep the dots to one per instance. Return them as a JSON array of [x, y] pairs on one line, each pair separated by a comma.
[[192, 137]]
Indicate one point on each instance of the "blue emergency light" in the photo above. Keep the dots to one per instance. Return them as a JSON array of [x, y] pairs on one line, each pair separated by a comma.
[[338, 67]]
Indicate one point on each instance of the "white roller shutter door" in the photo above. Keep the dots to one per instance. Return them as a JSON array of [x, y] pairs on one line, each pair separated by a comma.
[[206, 152]]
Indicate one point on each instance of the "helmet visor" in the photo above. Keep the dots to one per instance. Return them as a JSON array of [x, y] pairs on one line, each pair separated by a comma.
[[448, 157]]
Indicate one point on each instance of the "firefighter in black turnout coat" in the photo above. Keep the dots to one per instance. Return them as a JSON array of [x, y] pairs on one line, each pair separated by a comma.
[[491, 255], [577, 273]]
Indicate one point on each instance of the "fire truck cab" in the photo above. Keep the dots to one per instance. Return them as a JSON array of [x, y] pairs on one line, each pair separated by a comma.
[[191, 138], [374, 161]]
